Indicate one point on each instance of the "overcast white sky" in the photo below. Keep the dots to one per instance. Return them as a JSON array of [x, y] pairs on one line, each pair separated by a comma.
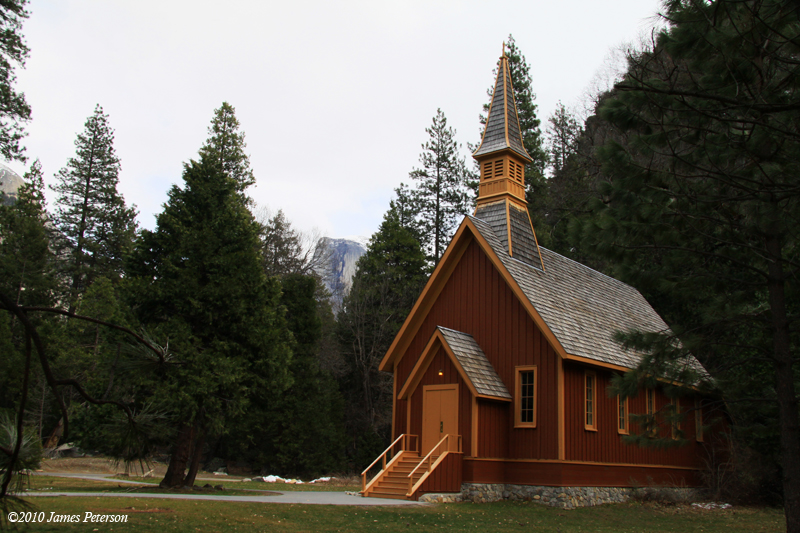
[[334, 97]]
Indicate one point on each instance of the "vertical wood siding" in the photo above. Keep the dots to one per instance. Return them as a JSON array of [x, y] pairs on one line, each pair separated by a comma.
[[446, 478], [605, 445], [476, 300]]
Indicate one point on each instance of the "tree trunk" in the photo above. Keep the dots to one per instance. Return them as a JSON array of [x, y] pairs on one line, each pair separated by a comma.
[[785, 388], [197, 454], [180, 457]]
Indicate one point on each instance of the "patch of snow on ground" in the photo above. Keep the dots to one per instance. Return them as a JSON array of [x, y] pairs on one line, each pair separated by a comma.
[[712, 505]]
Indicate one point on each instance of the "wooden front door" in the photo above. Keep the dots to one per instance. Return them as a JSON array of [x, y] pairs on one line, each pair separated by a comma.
[[439, 414]]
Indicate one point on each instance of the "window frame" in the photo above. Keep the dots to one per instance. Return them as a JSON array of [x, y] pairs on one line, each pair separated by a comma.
[[698, 420], [623, 418], [676, 410], [586, 425], [650, 408], [519, 371]]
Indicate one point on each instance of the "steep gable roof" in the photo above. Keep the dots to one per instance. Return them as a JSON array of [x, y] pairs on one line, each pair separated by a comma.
[[469, 360], [475, 364], [578, 308], [582, 307]]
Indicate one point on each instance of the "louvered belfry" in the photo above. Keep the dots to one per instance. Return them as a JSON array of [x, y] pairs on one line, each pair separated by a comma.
[[502, 158]]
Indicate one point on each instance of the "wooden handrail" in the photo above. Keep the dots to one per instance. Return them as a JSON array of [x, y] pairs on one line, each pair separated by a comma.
[[405, 438], [431, 465]]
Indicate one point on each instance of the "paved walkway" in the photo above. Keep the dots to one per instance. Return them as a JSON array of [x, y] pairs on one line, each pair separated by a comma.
[[310, 497], [94, 477]]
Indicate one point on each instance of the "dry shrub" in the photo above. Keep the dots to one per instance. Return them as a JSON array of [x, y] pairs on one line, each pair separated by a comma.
[[740, 475]]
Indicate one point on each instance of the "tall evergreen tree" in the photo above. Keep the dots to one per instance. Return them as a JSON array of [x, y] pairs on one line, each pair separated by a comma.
[[199, 280], [225, 146], [96, 225], [702, 189], [26, 273], [440, 198], [25, 261], [387, 282], [298, 432], [13, 107], [563, 132]]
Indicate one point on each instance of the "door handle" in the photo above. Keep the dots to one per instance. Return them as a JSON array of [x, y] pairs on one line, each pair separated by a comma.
[[441, 426]]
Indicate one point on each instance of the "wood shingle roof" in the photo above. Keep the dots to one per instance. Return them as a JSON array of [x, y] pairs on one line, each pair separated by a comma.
[[582, 307], [475, 364]]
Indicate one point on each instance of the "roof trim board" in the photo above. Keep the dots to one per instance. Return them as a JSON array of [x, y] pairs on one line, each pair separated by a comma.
[[440, 277], [428, 296]]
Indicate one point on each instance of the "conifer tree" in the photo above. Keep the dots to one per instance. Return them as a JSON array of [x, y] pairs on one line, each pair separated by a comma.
[[26, 274], [440, 198], [198, 279], [562, 137], [387, 282], [96, 225], [298, 432], [25, 259], [226, 145], [13, 107], [702, 205]]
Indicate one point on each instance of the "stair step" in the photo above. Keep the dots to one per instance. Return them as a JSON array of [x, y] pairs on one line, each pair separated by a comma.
[[391, 488], [392, 485], [388, 496]]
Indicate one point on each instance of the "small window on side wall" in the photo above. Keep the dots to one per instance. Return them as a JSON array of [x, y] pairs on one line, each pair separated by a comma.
[[676, 411], [525, 397], [698, 420], [590, 400], [622, 415], [651, 410]]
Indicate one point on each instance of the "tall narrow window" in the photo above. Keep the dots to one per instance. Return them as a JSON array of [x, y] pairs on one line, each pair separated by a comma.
[[676, 410], [651, 410], [622, 415], [698, 420], [525, 397], [590, 400]]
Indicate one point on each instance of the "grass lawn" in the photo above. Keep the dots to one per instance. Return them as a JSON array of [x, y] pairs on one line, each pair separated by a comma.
[[176, 515], [67, 484], [341, 485]]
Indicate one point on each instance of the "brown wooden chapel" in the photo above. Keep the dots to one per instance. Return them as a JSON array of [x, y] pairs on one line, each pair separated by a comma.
[[502, 367]]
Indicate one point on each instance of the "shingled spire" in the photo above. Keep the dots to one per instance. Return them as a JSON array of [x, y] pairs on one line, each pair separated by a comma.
[[502, 158], [502, 127]]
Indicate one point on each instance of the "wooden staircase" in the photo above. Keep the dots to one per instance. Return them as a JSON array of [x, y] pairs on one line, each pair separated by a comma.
[[402, 476], [393, 483]]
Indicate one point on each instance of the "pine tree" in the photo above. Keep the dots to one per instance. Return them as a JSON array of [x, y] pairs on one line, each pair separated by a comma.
[[440, 198], [13, 107], [562, 138], [702, 206], [298, 432], [96, 226], [387, 282], [25, 259], [198, 280], [26, 273], [226, 145]]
